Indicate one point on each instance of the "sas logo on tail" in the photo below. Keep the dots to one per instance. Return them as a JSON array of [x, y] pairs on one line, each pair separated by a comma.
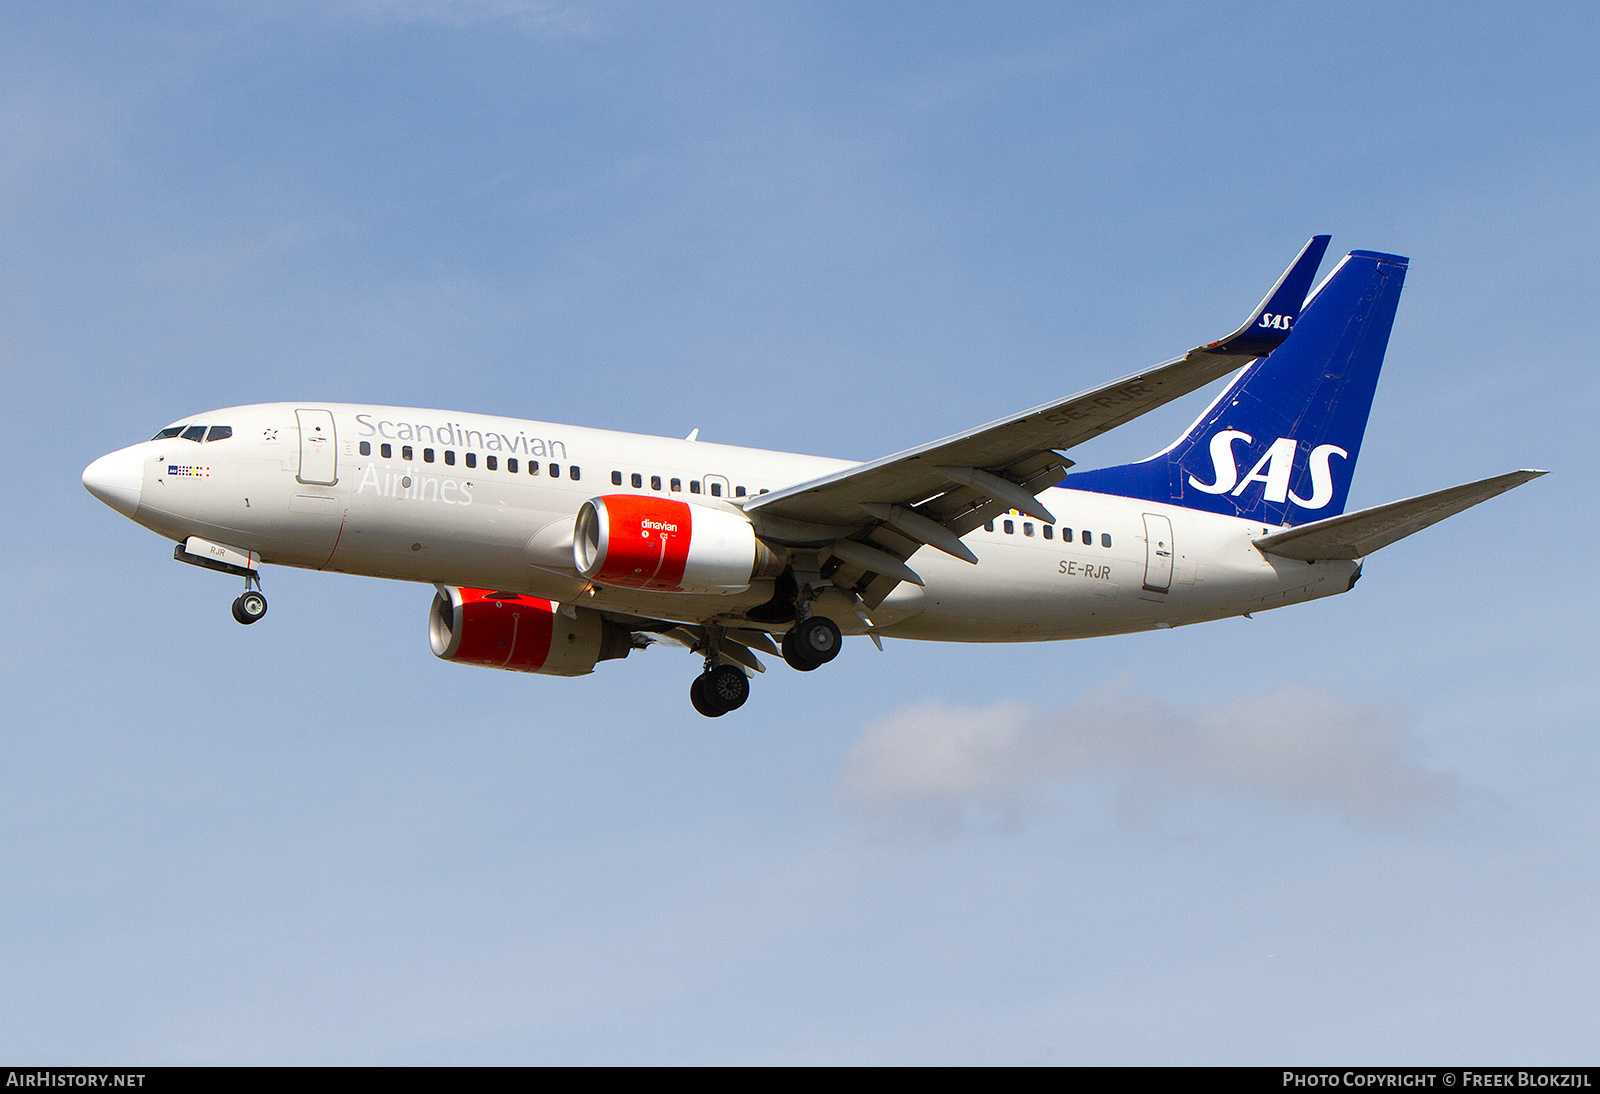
[[1277, 322], [1273, 470]]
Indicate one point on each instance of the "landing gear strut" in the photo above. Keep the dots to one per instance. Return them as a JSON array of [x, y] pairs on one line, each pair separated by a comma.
[[718, 690], [251, 605]]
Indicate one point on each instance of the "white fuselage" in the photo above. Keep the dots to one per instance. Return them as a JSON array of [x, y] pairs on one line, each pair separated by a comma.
[[474, 515]]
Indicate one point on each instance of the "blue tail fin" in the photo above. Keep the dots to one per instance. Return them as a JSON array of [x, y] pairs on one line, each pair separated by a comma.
[[1280, 444]]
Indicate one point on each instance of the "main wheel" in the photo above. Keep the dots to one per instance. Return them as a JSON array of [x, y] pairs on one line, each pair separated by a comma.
[[697, 697], [250, 607], [727, 687], [817, 639], [792, 656]]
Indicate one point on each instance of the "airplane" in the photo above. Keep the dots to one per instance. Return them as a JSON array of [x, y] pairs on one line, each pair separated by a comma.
[[555, 547]]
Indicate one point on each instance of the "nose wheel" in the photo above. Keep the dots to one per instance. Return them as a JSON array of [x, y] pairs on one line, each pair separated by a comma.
[[720, 690], [250, 607]]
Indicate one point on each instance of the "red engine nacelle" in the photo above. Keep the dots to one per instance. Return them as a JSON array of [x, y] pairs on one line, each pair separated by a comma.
[[521, 633], [642, 542]]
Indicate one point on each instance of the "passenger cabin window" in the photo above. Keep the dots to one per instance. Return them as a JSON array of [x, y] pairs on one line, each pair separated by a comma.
[[1027, 527], [655, 482], [168, 433], [1088, 538], [406, 453], [219, 433], [1049, 531], [694, 486], [1066, 535], [511, 464], [1010, 528], [1105, 539], [988, 526], [573, 473], [637, 480], [555, 471], [194, 433], [472, 459], [450, 457], [677, 485], [716, 490], [427, 455], [533, 469], [616, 478], [738, 491], [491, 464], [386, 450], [366, 448]]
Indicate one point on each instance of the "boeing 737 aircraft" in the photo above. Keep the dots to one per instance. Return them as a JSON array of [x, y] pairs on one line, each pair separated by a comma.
[[556, 547]]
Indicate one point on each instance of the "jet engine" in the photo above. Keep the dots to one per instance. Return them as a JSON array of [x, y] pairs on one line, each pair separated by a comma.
[[521, 633], [642, 542]]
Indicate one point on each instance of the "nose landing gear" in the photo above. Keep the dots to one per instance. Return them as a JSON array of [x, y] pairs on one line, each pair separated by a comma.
[[250, 605]]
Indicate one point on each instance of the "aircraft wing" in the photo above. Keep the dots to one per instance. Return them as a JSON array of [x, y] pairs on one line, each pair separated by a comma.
[[1355, 535], [937, 492]]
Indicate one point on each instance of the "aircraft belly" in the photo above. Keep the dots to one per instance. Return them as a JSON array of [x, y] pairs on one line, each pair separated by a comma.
[[1019, 593]]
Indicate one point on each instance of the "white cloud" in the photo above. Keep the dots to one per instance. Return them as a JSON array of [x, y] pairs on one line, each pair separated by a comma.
[[1296, 744]]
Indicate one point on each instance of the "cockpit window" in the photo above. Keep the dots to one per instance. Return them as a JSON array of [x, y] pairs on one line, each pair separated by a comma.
[[168, 433], [219, 433], [194, 433]]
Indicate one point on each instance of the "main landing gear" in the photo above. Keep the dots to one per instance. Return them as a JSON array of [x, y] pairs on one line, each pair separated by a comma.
[[250, 605], [811, 643], [718, 690]]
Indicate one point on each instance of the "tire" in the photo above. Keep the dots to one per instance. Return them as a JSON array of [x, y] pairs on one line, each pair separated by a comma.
[[249, 608], [252, 606], [697, 698], [727, 687], [791, 654], [817, 639]]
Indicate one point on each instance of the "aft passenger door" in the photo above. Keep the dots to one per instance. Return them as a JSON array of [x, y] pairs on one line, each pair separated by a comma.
[[318, 454], [1157, 553]]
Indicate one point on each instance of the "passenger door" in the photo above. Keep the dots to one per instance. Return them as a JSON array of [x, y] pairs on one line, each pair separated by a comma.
[[318, 453], [1157, 553]]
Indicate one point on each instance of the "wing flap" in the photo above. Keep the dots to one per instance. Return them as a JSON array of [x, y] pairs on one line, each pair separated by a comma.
[[1355, 535]]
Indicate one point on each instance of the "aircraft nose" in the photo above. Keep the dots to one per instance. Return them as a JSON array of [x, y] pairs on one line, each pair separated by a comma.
[[117, 479]]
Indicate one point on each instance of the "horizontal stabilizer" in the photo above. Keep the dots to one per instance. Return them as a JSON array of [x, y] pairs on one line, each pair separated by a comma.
[[1355, 535]]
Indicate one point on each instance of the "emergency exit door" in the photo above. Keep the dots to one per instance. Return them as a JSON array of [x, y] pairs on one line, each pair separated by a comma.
[[318, 456], [1157, 553]]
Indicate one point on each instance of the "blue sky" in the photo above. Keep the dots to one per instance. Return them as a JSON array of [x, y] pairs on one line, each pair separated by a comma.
[[1361, 829]]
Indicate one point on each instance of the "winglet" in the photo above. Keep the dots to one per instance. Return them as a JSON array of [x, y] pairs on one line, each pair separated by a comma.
[[1269, 325]]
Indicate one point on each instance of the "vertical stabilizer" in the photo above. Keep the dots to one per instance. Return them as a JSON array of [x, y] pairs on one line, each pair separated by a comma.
[[1279, 446]]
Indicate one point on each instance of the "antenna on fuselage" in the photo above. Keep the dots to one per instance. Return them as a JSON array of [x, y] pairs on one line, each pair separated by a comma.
[[694, 434]]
